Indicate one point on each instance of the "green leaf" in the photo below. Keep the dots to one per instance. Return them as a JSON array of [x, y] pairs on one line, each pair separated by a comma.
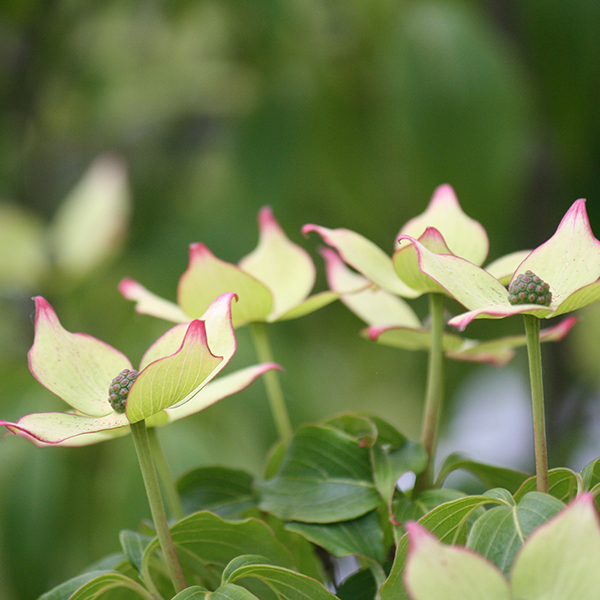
[[392, 454], [113, 583], [303, 552], [325, 477], [206, 543], [359, 586], [363, 536], [560, 560], [501, 531], [287, 585], [226, 492], [590, 474], [66, 589], [228, 591], [390, 464], [564, 484], [359, 426], [491, 476], [412, 510], [134, 545]]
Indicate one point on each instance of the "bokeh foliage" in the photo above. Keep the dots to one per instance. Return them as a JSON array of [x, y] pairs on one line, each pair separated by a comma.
[[343, 113]]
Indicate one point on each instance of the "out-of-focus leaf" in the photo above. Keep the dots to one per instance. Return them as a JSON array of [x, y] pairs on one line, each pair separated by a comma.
[[23, 258], [490, 475], [120, 587], [226, 492], [134, 545], [66, 589], [92, 220]]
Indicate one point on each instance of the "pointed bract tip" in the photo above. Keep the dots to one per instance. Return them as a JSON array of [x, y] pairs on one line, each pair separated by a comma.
[[127, 288], [266, 218], [577, 210], [404, 237], [43, 310], [306, 229], [444, 193], [416, 534], [199, 251]]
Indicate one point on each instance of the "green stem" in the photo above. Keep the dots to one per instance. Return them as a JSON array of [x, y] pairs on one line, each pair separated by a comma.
[[157, 508], [272, 384], [172, 499], [532, 332], [435, 391]]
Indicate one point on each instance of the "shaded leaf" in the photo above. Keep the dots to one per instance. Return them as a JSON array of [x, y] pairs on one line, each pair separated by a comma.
[[324, 477], [492, 476], [134, 545], [564, 484], [288, 585], [226, 492], [501, 531], [363, 536]]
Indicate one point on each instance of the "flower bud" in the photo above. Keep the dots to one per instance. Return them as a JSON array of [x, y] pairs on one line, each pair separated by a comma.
[[119, 389], [528, 288]]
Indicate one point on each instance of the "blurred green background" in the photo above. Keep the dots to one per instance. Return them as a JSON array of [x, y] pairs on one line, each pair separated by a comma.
[[344, 113]]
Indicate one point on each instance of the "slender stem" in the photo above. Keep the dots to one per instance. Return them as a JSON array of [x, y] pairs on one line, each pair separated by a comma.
[[157, 508], [172, 499], [435, 391], [272, 384], [532, 332]]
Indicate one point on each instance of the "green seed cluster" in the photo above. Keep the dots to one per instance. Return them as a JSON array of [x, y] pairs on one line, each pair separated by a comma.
[[119, 389], [528, 288]]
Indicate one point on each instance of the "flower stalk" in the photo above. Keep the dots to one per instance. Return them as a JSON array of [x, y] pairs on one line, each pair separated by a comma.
[[167, 484], [157, 508], [532, 332], [272, 383], [435, 391]]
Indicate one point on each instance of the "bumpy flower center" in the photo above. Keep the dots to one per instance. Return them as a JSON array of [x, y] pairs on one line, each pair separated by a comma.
[[528, 288], [119, 389]]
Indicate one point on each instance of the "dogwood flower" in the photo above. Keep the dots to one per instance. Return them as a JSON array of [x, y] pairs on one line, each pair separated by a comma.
[[272, 283], [464, 237], [558, 560], [173, 379], [392, 322], [375, 293], [569, 262]]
